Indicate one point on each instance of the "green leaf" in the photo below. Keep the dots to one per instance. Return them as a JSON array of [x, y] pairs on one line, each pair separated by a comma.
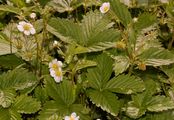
[[147, 38], [144, 20], [125, 84], [121, 12], [54, 109], [26, 104], [5, 46], [109, 35], [89, 3], [165, 115], [148, 101], [81, 64], [11, 9], [9, 114], [157, 57], [140, 101], [92, 25], [99, 75], [10, 61], [19, 3], [107, 101], [169, 70], [64, 5], [17, 79], [5, 49], [81, 111], [160, 103], [49, 111], [64, 92], [101, 46], [6, 97], [66, 30], [40, 94], [55, 32], [134, 111], [93, 30], [121, 64]]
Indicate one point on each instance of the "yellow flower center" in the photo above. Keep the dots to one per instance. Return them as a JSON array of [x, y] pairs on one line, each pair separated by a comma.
[[55, 66], [72, 118], [106, 8], [58, 73], [27, 27]]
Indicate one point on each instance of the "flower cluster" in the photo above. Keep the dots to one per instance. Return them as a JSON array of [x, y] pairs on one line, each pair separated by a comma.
[[73, 116], [56, 70]]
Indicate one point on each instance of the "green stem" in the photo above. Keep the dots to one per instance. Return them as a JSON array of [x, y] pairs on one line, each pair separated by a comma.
[[171, 42], [37, 55], [11, 40]]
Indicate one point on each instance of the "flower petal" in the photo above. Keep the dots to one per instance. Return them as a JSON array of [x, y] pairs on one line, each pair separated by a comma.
[[57, 79], [20, 28], [52, 73], [22, 23], [32, 31], [27, 32], [73, 114], [67, 118]]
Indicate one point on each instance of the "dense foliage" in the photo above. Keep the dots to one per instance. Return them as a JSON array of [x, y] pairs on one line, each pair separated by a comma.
[[86, 59]]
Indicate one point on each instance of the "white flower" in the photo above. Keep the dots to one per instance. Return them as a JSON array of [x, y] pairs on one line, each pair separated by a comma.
[[54, 64], [33, 15], [72, 117], [105, 7], [28, 1], [26, 28], [55, 43], [164, 1], [135, 19], [56, 74]]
